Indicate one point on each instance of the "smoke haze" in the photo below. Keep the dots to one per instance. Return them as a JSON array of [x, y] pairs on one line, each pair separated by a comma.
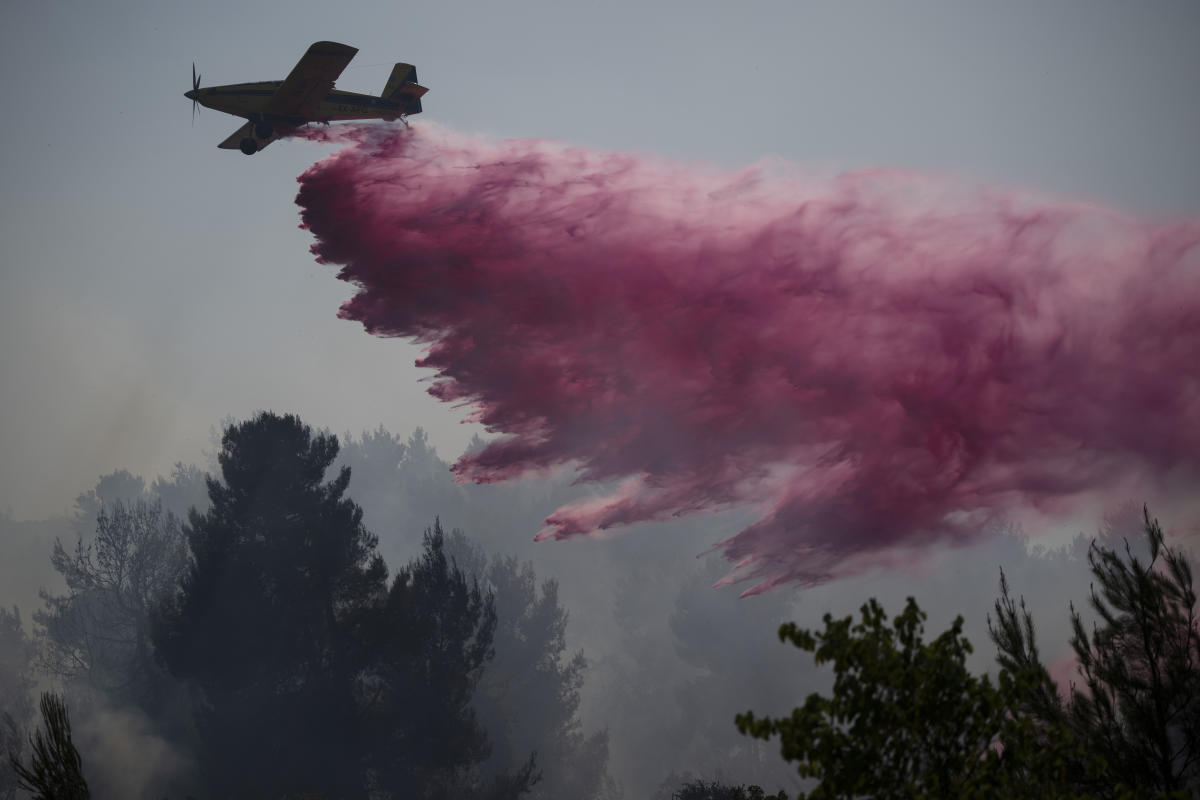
[[750, 348], [670, 660], [875, 360]]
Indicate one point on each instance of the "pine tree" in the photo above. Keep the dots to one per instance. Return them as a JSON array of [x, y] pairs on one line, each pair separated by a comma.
[[1138, 709], [55, 770], [264, 625]]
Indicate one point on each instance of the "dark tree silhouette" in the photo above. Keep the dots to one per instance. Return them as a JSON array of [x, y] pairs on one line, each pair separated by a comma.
[[429, 645], [55, 770], [268, 618], [314, 676], [1138, 710]]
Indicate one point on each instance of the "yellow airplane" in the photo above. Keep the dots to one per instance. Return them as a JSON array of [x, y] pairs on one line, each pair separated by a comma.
[[276, 108]]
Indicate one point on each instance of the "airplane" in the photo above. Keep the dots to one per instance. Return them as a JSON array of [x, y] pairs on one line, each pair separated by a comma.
[[276, 108]]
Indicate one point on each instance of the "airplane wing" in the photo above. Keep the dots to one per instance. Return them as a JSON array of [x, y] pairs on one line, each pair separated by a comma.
[[234, 142], [302, 91]]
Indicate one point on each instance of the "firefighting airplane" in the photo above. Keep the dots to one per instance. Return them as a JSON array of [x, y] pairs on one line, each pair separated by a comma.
[[276, 108]]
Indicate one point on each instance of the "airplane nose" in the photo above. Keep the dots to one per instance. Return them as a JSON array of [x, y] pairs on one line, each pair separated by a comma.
[[190, 95]]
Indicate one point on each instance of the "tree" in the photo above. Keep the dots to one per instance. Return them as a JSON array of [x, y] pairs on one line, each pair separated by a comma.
[[314, 675], [907, 719], [428, 648], [55, 770], [99, 630], [1138, 710], [282, 571]]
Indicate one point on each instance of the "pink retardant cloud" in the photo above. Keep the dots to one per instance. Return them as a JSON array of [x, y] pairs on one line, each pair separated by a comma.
[[878, 360], [1064, 671]]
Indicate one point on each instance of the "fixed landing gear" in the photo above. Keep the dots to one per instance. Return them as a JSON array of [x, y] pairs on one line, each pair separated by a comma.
[[263, 130], [248, 146]]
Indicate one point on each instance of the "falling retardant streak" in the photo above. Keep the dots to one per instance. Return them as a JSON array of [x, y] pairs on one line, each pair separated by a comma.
[[876, 360]]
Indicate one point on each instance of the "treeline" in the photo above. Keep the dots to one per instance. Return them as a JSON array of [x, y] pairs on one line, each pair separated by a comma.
[[259, 645], [267, 644], [908, 719]]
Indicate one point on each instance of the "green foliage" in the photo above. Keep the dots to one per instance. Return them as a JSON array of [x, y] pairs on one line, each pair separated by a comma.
[[906, 719], [55, 770]]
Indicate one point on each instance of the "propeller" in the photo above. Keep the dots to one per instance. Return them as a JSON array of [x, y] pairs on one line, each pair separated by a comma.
[[194, 93]]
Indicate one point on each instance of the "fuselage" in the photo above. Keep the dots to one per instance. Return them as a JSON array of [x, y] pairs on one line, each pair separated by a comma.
[[250, 100]]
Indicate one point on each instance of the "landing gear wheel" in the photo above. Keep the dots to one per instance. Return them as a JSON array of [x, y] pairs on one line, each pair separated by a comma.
[[249, 146]]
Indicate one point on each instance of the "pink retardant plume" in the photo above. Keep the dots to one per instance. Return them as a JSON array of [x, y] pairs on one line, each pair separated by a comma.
[[877, 361]]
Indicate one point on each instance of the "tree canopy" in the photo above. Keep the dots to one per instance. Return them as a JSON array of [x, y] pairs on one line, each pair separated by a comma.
[[314, 673], [907, 719], [427, 649], [55, 770], [1136, 711], [281, 568]]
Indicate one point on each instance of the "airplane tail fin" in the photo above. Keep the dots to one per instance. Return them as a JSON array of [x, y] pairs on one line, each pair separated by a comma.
[[402, 86]]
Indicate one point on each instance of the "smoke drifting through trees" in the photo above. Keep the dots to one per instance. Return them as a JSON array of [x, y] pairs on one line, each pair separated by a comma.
[[98, 633], [373, 677], [670, 660], [876, 360]]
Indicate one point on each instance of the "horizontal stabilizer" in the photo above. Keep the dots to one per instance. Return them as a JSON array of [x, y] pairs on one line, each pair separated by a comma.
[[402, 87], [401, 74]]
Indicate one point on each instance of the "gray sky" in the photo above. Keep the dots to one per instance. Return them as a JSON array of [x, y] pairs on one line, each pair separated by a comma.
[[152, 284]]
